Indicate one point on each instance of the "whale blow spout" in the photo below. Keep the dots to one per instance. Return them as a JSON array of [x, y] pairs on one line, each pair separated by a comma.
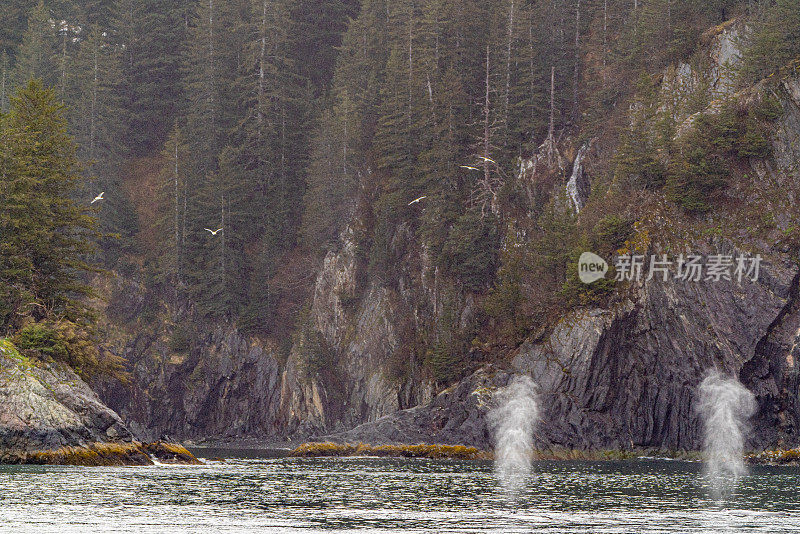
[[513, 421], [725, 406]]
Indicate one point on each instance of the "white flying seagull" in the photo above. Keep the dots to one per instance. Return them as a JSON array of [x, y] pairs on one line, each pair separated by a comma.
[[98, 197], [488, 160], [470, 168], [213, 232], [415, 201]]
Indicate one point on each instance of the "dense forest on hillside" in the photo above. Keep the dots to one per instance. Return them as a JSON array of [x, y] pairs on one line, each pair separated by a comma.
[[285, 122]]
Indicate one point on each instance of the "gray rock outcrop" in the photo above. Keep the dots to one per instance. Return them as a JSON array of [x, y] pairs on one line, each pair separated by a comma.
[[626, 378], [46, 406]]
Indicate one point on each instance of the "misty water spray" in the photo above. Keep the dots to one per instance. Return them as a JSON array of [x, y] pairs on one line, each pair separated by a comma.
[[725, 406], [514, 420]]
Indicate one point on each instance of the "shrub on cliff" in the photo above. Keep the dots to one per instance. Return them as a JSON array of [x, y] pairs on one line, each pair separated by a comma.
[[471, 251], [775, 40], [697, 178], [181, 339], [316, 358], [445, 364], [42, 339], [637, 162], [69, 343], [702, 166], [607, 236]]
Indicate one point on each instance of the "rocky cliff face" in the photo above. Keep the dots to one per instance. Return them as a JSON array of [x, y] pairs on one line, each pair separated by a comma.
[[627, 377], [456, 416], [227, 386], [48, 415], [47, 407], [618, 377]]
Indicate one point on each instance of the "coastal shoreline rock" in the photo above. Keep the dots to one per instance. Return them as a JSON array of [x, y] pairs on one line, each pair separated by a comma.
[[49, 415], [103, 454]]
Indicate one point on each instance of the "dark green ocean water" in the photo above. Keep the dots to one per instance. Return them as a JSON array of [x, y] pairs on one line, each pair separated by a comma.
[[253, 493]]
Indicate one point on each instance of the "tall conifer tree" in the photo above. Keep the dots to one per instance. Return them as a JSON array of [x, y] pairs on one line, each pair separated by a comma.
[[46, 235]]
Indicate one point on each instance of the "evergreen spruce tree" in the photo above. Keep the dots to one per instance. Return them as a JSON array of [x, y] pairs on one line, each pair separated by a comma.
[[84, 12], [260, 137], [638, 162], [405, 105], [316, 33], [341, 146], [46, 234], [207, 73], [95, 103], [36, 55], [329, 199], [775, 41], [217, 36], [152, 37], [5, 81], [95, 109], [13, 21]]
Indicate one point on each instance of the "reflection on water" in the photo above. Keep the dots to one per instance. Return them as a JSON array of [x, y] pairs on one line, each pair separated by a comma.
[[390, 495]]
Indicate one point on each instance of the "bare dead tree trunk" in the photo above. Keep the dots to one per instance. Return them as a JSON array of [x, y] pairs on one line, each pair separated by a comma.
[[669, 16], [64, 63], [605, 40], [262, 82], [262, 75], [93, 110], [183, 220], [531, 66], [508, 63], [175, 180], [223, 242], [345, 138], [283, 146], [551, 131], [410, 63], [211, 46], [459, 35], [486, 124], [488, 188], [436, 37], [211, 79], [3, 79], [451, 127], [576, 78], [561, 30]]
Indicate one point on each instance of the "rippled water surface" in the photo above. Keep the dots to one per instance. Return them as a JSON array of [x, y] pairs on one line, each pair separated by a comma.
[[390, 495]]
